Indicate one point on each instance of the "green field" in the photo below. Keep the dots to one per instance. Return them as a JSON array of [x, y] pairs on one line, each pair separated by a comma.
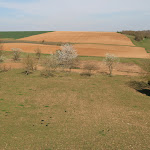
[[72, 112], [20, 34], [144, 43]]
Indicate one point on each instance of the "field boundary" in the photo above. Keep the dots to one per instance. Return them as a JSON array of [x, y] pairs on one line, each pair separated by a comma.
[[56, 43]]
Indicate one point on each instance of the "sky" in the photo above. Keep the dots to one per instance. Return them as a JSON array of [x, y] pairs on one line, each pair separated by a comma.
[[74, 15]]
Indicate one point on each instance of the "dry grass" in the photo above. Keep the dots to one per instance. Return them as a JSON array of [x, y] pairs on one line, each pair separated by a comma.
[[72, 112]]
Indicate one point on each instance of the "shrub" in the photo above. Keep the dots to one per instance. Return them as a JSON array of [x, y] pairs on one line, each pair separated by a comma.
[[110, 61], [85, 73], [3, 68], [88, 68], [30, 64], [16, 54], [67, 56], [38, 53], [50, 65], [2, 58]]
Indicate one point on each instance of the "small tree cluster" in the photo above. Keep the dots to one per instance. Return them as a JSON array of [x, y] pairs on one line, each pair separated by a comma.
[[64, 58], [110, 61], [16, 54], [139, 35]]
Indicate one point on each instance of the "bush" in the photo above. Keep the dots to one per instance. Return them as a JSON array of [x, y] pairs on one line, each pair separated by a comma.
[[85, 73], [88, 68], [2, 58], [38, 53], [110, 61], [16, 54], [50, 65], [67, 56], [3, 68], [30, 64]]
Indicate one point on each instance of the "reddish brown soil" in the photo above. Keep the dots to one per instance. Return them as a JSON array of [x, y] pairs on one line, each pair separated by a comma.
[[83, 49], [30, 48]]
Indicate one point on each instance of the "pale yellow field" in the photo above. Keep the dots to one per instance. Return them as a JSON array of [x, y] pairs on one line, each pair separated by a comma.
[[83, 49], [82, 37]]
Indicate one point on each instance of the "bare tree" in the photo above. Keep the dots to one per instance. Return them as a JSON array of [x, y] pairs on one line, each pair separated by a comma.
[[16, 54], [50, 65], [30, 64], [110, 61], [38, 53]]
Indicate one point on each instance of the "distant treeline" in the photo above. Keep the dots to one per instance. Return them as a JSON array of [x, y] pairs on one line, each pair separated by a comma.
[[139, 35]]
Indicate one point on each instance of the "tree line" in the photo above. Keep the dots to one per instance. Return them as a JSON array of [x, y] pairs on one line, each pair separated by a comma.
[[139, 35]]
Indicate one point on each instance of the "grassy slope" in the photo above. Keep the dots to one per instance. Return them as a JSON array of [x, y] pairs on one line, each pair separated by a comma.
[[145, 43], [20, 34], [81, 113]]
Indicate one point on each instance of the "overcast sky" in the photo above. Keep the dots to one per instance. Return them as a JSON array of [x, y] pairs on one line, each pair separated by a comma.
[[74, 15]]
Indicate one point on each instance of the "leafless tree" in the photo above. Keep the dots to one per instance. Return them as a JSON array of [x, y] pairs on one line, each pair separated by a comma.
[[50, 65], [38, 53], [30, 64], [16, 53]]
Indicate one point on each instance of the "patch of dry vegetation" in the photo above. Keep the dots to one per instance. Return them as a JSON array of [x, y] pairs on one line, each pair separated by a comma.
[[30, 64], [16, 54]]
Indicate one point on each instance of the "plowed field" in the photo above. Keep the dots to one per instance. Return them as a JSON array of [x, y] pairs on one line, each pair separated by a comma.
[[82, 37], [83, 49]]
